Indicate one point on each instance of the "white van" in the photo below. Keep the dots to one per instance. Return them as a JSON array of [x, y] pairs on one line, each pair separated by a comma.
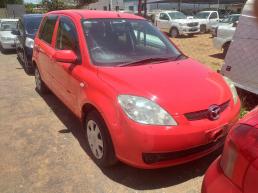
[[241, 62]]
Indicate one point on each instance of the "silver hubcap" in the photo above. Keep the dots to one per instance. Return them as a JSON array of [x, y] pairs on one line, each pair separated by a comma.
[[37, 79], [95, 139]]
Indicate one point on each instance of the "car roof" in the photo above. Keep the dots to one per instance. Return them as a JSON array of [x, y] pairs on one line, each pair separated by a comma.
[[91, 14], [8, 19]]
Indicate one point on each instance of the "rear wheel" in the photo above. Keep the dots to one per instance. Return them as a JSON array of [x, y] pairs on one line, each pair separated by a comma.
[[40, 85], [174, 33], [99, 140]]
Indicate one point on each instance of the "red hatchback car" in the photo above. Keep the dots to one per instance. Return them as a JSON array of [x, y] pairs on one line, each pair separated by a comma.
[[236, 171], [140, 99]]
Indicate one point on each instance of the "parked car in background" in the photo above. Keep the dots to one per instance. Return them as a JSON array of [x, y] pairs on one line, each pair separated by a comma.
[[176, 23], [207, 19], [230, 20], [27, 28], [7, 39], [241, 61], [224, 37], [180, 115], [236, 171]]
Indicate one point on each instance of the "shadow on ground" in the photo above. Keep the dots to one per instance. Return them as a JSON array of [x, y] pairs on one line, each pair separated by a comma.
[[132, 177], [219, 56]]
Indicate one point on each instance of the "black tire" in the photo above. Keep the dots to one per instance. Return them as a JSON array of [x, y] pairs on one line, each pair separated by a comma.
[[190, 35], [108, 157], [40, 85], [225, 49], [203, 29], [28, 69], [3, 51], [174, 32]]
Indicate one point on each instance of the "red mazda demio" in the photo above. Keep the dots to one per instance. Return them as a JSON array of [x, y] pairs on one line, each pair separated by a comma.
[[236, 171], [140, 99]]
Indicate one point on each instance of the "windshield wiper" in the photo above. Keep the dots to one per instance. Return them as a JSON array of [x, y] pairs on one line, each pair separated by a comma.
[[153, 60], [144, 61]]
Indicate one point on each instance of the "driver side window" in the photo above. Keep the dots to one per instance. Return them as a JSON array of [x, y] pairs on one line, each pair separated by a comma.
[[213, 15], [163, 16], [67, 38]]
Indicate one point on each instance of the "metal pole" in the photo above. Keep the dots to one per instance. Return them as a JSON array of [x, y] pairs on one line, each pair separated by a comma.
[[218, 5], [111, 5]]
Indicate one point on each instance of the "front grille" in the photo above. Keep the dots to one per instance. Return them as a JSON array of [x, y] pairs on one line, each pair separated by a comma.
[[193, 24], [204, 114], [150, 158]]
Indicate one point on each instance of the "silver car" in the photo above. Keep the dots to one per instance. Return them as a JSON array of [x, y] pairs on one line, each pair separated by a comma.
[[7, 39]]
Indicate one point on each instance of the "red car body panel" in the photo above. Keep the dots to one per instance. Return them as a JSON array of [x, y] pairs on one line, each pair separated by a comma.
[[173, 85], [243, 163]]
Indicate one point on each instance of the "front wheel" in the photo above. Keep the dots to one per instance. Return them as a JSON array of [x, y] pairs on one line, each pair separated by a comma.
[[27, 68], [99, 140], [40, 85], [203, 29], [174, 33]]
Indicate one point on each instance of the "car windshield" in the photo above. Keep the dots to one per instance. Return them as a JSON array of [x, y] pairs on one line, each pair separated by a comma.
[[231, 19], [8, 25], [32, 25], [117, 42], [177, 15], [202, 15]]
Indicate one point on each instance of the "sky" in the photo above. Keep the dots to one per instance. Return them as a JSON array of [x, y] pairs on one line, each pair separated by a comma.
[[32, 1]]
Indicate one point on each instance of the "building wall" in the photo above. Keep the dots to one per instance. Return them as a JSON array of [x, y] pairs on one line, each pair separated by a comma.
[[2, 13], [105, 4]]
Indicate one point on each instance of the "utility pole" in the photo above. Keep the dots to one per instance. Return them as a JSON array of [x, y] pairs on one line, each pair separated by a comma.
[[179, 5]]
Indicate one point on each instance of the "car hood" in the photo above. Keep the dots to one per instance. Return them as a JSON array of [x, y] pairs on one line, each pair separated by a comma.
[[7, 34], [178, 86], [185, 20]]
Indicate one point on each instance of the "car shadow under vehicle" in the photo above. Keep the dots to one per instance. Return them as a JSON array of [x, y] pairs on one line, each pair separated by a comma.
[[134, 178]]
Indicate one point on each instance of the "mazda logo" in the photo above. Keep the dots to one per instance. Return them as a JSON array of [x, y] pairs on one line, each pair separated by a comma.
[[213, 112]]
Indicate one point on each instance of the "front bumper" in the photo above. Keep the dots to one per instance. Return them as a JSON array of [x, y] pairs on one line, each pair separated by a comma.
[[215, 181], [8, 45], [148, 146], [218, 42], [185, 30]]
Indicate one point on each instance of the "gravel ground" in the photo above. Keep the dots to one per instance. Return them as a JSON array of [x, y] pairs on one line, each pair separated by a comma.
[[42, 148]]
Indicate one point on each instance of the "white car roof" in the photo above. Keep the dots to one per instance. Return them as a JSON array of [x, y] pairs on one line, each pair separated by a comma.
[[8, 20]]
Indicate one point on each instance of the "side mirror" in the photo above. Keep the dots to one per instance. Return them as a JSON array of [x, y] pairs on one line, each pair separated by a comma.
[[16, 32], [67, 56]]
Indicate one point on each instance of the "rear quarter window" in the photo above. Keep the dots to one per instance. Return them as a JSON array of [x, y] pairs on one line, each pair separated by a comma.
[[47, 28]]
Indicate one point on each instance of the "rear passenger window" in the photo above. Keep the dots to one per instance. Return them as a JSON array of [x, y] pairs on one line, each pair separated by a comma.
[[213, 15], [47, 28]]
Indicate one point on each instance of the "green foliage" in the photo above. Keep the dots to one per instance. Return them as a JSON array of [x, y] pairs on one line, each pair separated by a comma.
[[29, 7], [84, 2], [4, 2]]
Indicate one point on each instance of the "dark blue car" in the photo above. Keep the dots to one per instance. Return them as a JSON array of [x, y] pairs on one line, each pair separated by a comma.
[[27, 27]]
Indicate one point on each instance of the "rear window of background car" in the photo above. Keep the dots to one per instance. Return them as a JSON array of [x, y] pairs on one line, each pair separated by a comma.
[[47, 28]]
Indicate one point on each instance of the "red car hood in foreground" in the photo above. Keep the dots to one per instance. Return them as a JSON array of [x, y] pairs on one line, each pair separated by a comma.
[[177, 86]]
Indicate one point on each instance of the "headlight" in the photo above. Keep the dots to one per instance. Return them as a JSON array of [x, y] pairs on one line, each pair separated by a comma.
[[29, 43], [144, 111], [232, 88]]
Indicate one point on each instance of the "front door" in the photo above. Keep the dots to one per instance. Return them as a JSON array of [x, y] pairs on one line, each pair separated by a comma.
[[67, 39]]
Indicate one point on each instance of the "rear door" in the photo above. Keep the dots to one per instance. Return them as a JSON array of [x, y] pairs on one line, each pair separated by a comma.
[[44, 50]]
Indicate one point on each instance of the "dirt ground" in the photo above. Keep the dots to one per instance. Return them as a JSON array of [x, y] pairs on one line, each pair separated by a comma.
[[42, 148], [200, 47]]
